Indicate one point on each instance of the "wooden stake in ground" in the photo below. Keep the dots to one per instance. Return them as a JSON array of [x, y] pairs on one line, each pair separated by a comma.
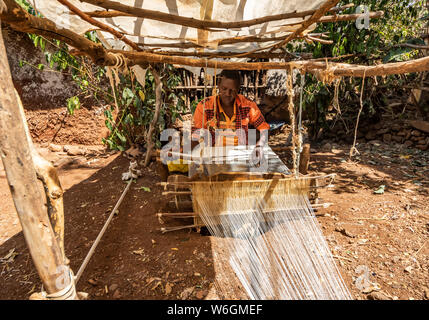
[[158, 104], [21, 176]]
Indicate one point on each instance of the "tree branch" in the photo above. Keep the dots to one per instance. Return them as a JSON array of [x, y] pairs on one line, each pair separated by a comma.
[[99, 24], [195, 23], [21, 20]]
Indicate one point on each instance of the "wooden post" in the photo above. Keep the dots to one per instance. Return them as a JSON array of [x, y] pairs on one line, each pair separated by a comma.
[[25, 189], [304, 159], [158, 104]]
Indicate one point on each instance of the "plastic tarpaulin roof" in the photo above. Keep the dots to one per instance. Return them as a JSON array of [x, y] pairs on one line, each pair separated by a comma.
[[147, 31]]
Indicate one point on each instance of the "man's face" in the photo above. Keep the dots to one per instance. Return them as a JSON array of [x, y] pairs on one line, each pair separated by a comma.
[[228, 91]]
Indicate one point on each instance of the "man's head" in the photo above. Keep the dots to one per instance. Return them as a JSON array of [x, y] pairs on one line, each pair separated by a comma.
[[229, 86]]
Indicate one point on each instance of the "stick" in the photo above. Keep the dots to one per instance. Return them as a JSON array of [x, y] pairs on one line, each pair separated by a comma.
[[100, 235]]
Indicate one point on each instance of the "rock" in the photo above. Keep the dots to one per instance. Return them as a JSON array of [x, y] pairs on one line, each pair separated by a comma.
[[422, 147], [397, 139], [55, 148], [74, 150], [201, 294], [387, 137], [408, 269], [426, 293], [117, 295], [345, 232], [408, 143], [62, 162], [378, 126], [95, 150], [416, 133], [402, 133], [83, 295], [396, 127], [376, 143], [420, 125], [408, 135], [92, 282], [113, 287], [327, 146], [383, 131], [378, 296], [371, 135]]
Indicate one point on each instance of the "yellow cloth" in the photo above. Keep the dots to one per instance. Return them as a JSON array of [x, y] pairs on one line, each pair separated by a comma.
[[178, 166]]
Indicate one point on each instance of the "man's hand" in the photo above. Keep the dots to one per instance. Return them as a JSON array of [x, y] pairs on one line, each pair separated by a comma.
[[257, 155]]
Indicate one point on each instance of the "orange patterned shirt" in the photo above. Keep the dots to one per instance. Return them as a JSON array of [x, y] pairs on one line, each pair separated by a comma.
[[246, 113]]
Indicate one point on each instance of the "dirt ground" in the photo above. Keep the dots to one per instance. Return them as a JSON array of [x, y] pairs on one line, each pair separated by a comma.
[[380, 238]]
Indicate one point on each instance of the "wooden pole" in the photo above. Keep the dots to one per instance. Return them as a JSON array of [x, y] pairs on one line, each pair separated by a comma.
[[126, 10], [25, 189], [99, 24], [307, 23], [158, 104], [22, 21]]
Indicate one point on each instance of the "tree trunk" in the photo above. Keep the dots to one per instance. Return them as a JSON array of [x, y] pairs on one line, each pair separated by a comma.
[[25, 189]]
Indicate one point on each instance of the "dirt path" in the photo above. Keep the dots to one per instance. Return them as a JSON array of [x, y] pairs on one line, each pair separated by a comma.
[[377, 239]]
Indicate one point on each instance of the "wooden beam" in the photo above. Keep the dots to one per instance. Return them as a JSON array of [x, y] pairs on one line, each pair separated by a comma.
[[22, 21], [224, 41], [99, 24], [342, 17], [196, 23], [307, 23], [259, 55], [358, 71], [21, 176]]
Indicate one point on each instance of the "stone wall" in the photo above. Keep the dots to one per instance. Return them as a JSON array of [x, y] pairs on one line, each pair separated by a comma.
[[44, 94]]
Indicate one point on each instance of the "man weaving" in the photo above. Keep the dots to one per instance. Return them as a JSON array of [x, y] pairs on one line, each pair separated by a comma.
[[228, 115]]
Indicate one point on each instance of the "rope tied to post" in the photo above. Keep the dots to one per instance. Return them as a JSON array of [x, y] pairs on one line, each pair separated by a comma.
[[67, 293]]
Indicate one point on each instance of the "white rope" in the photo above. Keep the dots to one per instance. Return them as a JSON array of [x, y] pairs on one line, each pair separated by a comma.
[[68, 293], [299, 146]]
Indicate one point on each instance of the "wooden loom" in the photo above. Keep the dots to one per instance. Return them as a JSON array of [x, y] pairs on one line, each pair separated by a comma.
[[181, 188]]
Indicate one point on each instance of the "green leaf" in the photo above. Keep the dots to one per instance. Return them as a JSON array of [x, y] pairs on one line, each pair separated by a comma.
[[397, 54], [73, 103], [128, 96], [145, 189], [121, 137]]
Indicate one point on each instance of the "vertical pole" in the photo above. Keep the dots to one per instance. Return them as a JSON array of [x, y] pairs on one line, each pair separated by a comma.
[[158, 105], [291, 109], [24, 187]]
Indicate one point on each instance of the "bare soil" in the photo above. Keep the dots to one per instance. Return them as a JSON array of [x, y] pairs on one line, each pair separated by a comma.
[[381, 238]]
